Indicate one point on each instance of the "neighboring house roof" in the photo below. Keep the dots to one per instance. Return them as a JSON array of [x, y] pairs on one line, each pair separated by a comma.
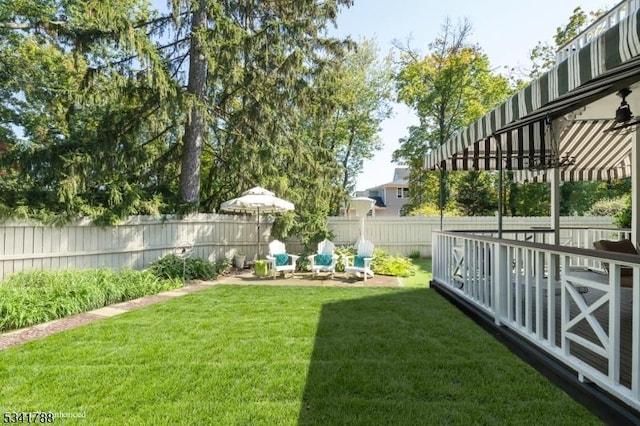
[[379, 202], [400, 175]]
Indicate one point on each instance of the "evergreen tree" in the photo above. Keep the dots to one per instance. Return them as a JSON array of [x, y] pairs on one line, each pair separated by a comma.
[[75, 89]]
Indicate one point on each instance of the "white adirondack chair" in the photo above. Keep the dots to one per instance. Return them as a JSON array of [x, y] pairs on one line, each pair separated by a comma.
[[278, 252], [364, 252], [325, 260]]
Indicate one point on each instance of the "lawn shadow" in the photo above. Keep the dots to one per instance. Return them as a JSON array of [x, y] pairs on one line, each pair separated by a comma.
[[409, 357], [370, 358]]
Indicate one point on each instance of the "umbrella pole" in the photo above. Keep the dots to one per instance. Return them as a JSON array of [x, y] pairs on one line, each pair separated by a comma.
[[258, 255]]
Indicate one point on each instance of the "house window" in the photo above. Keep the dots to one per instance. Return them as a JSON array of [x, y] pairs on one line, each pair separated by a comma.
[[403, 192]]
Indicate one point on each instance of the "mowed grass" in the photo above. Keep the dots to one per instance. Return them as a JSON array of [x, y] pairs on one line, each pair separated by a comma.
[[253, 355], [423, 275]]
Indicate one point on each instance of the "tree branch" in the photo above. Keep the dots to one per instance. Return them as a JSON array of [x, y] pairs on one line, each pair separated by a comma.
[[31, 25]]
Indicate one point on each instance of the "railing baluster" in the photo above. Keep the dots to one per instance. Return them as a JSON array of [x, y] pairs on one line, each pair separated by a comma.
[[518, 286], [539, 274], [565, 310], [635, 336], [502, 278], [552, 260], [614, 323], [487, 274]]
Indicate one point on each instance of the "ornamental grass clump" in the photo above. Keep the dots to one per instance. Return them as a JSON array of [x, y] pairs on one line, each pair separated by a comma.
[[193, 268], [34, 297]]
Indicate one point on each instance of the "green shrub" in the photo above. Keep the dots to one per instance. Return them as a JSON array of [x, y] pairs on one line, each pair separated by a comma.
[[622, 218], [415, 254], [222, 266], [29, 298], [385, 264], [607, 207], [171, 266], [429, 209]]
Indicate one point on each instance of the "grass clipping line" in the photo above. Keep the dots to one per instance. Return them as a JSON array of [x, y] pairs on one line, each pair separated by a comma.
[[30, 298]]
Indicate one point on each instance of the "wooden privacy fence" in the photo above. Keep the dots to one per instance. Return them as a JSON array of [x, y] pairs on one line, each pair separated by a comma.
[[133, 244], [142, 239], [404, 235]]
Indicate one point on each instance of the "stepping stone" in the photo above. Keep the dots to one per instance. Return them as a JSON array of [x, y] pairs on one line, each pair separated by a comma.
[[173, 293], [107, 312]]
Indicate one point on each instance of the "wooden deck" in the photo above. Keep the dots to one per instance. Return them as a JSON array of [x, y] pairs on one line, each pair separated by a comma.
[[584, 329]]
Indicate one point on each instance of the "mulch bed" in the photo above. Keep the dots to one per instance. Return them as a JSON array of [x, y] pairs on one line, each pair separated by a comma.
[[17, 337]]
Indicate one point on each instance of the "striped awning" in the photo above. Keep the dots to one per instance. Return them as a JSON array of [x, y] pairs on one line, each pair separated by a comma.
[[590, 152], [520, 148], [596, 70], [597, 155]]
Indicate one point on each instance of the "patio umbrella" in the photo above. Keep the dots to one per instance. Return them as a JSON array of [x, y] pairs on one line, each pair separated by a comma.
[[257, 201]]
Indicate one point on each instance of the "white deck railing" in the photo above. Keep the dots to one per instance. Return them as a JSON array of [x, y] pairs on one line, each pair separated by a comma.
[[581, 317], [569, 237]]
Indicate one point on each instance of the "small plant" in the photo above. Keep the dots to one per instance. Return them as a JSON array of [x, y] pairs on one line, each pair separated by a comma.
[[222, 266], [303, 264], [171, 266], [343, 251], [415, 254]]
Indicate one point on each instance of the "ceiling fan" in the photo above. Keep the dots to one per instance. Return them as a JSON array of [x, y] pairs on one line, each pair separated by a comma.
[[624, 115]]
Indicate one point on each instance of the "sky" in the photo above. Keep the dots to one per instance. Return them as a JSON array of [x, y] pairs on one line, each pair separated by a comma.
[[506, 30]]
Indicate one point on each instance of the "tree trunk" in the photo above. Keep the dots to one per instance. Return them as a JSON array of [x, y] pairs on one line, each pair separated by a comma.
[[195, 128], [345, 162]]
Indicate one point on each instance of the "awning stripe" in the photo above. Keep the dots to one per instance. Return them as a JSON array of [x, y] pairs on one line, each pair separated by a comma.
[[598, 154], [520, 148], [635, 34], [573, 175], [586, 72], [603, 54]]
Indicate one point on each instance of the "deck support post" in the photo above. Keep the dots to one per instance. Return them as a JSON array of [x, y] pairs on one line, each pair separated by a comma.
[[635, 186], [555, 216], [500, 183], [555, 204]]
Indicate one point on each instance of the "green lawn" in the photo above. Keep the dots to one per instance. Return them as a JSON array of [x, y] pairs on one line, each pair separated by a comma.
[[262, 355], [422, 278]]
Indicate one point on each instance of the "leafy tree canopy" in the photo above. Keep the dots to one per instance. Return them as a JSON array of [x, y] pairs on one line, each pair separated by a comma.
[[448, 88]]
